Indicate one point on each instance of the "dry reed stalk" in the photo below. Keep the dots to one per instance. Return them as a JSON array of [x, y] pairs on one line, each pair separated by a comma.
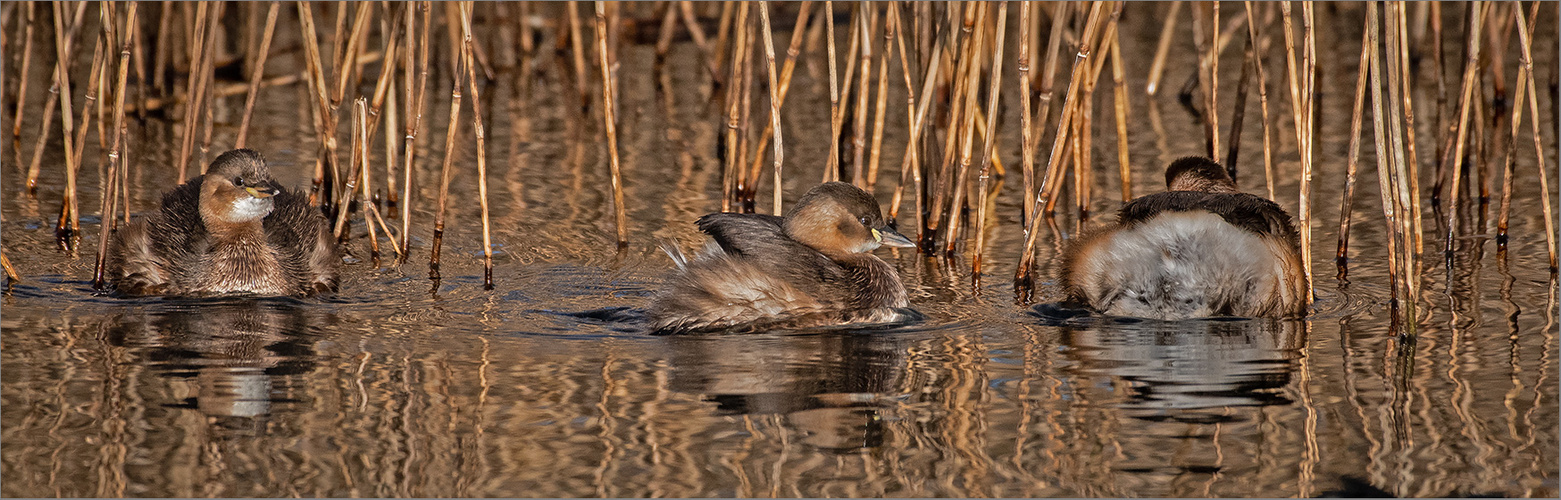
[[160, 59], [449, 158], [834, 91], [1416, 234], [198, 82], [1539, 150], [1262, 91], [1163, 49], [208, 99], [609, 104], [1401, 173], [881, 102], [775, 99], [326, 123], [354, 171], [1385, 185], [1239, 115], [386, 76], [698, 33], [967, 128], [730, 174], [415, 112], [1309, 23], [346, 58], [723, 29], [1341, 256], [360, 151], [993, 92], [1207, 75], [1453, 157], [577, 51], [62, 80], [745, 190], [669, 18], [1510, 160], [911, 161], [477, 130], [869, 19], [110, 202], [837, 118], [1027, 19], [254, 78], [1043, 113], [68, 39], [959, 105], [1299, 106], [785, 85], [22, 79], [1024, 273], [10, 272], [1120, 103], [68, 228]]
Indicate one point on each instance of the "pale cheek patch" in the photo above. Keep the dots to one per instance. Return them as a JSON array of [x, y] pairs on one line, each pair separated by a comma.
[[248, 208]]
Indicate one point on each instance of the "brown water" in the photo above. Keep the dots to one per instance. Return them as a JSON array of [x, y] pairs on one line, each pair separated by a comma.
[[546, 387]]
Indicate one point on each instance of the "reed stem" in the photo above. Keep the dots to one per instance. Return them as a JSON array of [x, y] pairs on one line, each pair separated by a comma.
[[110, 202], [993, 93], [1341, 256], [260, 69], [609, 98], [21, 73], [775, 98], [1524, 33], [482, 151], [1162, 49]]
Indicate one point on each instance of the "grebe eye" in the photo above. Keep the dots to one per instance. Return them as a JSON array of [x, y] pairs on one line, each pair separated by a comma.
[[238, 181], [863, 220]]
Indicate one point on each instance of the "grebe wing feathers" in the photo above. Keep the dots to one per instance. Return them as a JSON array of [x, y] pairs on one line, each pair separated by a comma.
[[1242, 210], [762, 239]]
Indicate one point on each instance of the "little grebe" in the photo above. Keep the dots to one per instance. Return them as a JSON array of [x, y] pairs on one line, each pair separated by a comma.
[[233, 229], [1201, 249], [809, 268]]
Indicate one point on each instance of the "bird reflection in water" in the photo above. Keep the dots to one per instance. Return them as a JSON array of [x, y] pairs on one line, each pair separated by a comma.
[[236, 353], [1187, 391], [835, 388]]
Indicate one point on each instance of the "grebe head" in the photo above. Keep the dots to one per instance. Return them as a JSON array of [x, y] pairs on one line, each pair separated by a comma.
[[236, 190], [1197, 173], [840, 219]]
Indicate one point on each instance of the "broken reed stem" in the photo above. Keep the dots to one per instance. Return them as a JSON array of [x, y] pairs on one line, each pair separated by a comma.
[[477, 130], [1539, 150], [415, 113], [110, 202], [1162, 49], [993, 92], [1341, 257], [1024, 274], [608, 117], [254, 78], [775, 103], [1452, 158]]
